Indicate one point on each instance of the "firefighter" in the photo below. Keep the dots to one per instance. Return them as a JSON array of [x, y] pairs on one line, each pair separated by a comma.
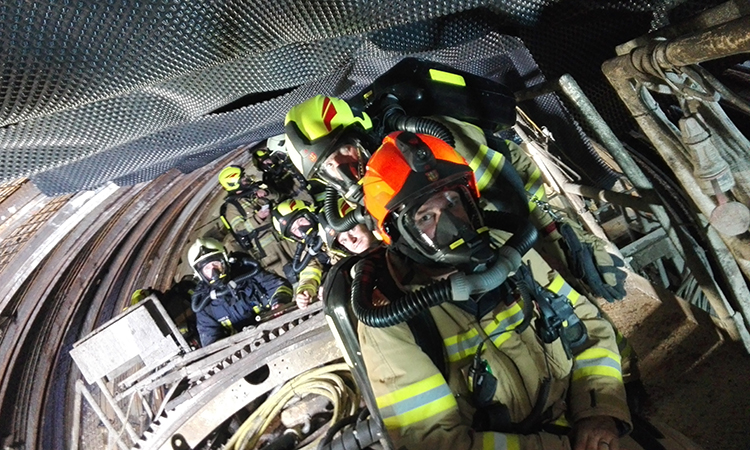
[[472, 347], [233, 290], [246, 213], [296, 221], [278, 174], [326, 139]]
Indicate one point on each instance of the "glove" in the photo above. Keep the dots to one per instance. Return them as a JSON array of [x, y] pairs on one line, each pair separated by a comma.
[[590, 262]]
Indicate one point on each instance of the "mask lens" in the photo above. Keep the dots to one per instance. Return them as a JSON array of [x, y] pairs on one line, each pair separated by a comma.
[[439, 220]]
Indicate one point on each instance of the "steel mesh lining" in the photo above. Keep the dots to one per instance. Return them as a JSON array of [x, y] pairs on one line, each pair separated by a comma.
[[121, 90]]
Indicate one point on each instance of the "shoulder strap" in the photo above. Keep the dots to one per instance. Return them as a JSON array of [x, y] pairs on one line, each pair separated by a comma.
[[428, 338], [423, 327]]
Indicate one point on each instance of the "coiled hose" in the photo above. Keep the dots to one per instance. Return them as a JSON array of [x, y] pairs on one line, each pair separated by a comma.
[[323, 381], [396, 119], [459, 286]]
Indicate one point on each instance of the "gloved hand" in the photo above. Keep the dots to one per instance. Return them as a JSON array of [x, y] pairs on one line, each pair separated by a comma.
[[589, 261]]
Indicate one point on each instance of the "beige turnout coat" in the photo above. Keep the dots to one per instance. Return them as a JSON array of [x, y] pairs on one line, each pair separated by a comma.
[[421, 410]]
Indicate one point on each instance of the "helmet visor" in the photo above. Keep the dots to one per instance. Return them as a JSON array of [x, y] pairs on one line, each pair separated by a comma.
[[344, 167], [211, 268]]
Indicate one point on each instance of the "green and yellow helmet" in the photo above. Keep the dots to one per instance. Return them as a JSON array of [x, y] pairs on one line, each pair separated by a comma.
[[230, 178], [315, 127], [287, 212]]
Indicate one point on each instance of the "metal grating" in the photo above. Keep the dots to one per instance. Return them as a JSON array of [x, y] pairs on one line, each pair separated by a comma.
[[20, 235], [96, 91]]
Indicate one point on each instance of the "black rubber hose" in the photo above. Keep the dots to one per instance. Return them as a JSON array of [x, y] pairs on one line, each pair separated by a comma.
[[299, 262], [396, 119], [397, 311], [412, 303], [524, 236], [335, 428], [331, 211], [361, 436]]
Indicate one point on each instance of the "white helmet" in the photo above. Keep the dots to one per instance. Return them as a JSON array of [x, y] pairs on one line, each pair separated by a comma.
[[204, 251]]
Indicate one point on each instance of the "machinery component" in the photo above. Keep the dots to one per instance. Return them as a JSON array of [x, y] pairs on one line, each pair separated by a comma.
[[659, 63]]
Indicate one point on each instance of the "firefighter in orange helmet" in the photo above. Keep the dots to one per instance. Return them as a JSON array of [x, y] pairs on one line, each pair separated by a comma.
[[473, 348]]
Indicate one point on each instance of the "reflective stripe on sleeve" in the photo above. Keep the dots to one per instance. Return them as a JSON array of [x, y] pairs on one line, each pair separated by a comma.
[[499, 441], [416, 402], [560, 286], [283, 290], [597, 362], [309, 274], [485, 164], [535, 188]]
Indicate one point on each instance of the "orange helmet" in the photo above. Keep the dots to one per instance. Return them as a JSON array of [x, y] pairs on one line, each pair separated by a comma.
[[412, 171]]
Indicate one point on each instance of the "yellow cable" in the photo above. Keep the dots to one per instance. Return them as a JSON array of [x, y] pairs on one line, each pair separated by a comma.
[[321, 381]]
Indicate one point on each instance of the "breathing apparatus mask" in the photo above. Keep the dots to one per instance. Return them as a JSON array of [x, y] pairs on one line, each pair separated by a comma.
[[345, 166], [212, 268], [445, 229]]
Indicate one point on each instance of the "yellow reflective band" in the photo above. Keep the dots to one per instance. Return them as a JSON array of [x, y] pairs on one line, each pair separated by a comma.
[[501, 317], [311, 273], [456, 244], [601, 371], [462, 345], [283, 290], [412, 390], [535, 188], [447, 77], [499, 441], [465, 345], [485, 165], [477, 160], [597, 353], [560, 286], [226, 224], [597, 362], [416, 402], [534, 182], [482, 230]]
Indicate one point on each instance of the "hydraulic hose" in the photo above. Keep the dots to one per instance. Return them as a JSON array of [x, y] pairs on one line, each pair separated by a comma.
[[331, 211], [457, 287], [396, 119]]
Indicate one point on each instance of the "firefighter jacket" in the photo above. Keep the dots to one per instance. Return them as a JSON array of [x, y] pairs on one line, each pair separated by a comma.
[[423, 409], [490, 165], [262, 241], [236, 304], [309, 278], [273, 252]]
